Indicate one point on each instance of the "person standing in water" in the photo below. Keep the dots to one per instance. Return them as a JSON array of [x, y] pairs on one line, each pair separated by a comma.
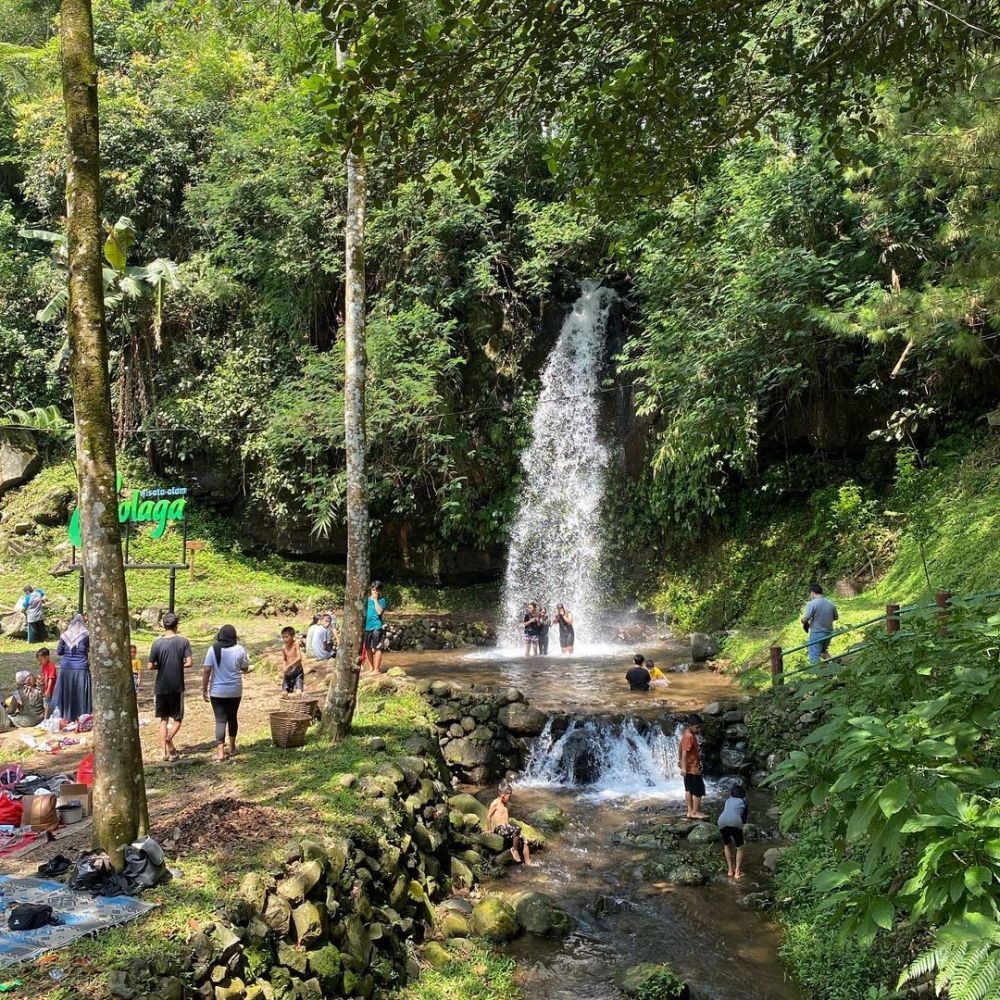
[[498, 821], [544, 624], [690, 766], [733, 818], [531, 629], [567, 635]]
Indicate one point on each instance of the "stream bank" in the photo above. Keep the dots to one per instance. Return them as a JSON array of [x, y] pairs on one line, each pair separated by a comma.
[[638, 883]]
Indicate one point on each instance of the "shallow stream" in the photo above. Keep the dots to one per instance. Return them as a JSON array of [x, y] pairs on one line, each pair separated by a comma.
[[626, 914]]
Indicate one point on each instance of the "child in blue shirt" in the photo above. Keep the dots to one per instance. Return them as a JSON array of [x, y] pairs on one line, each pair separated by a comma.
[[731, 822]]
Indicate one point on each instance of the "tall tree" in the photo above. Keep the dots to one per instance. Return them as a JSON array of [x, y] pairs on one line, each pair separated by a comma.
[[342, 693], [120, 811]]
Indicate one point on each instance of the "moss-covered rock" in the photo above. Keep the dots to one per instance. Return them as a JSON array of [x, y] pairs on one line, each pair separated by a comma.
[[494, 919], [654, 982], [541, 916]]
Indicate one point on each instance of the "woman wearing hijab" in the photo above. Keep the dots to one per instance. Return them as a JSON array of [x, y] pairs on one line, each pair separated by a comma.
[[26, 708], [72, 697], [222, 684]]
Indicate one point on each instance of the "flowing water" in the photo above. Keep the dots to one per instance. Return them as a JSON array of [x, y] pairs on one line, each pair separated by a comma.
[[555, 544], [609, 762], [608, 757]]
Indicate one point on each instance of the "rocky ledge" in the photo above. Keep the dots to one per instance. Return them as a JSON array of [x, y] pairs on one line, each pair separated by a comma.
[[481, 732]]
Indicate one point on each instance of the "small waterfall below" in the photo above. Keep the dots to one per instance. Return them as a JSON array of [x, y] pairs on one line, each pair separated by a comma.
[[556, 539], [606, 760]]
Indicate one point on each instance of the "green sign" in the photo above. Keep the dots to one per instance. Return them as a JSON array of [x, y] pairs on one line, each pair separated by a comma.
[[156, 506]]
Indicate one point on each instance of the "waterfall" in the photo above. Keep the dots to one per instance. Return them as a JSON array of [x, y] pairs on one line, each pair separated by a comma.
[[555, 543], [607, 760]]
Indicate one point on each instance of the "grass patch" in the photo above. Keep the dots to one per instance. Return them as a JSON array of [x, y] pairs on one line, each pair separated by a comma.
[[305, 785], [752, 584]]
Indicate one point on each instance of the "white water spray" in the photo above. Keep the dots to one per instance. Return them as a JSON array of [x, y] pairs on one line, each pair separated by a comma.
[[556, 540], [606, 760]]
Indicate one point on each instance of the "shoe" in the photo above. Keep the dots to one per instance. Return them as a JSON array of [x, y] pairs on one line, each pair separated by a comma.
[[55, 866]]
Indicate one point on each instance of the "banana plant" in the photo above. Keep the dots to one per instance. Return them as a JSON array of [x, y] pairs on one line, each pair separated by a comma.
[[122, 281]]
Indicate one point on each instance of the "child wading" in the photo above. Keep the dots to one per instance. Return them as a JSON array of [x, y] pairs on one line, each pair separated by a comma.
[[690, 767], [294, 676], [731, 822]]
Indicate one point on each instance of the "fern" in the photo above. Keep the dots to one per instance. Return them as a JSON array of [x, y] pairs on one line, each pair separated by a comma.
[[41, 419], [967, 963]]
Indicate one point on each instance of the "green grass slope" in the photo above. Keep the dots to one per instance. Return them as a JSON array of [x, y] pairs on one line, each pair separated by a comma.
[[751, 585]]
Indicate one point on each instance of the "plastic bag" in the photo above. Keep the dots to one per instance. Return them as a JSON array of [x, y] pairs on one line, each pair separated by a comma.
[[11, 810], [85, 772]]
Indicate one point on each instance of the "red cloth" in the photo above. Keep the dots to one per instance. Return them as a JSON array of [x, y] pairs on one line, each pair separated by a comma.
[[85, 772], [10, 810]]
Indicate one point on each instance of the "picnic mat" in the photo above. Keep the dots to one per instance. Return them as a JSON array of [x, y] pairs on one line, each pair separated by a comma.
[[81, 915]]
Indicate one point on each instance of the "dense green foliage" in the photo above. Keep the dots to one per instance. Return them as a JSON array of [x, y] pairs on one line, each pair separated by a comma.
[[764, 328], [896, 791]]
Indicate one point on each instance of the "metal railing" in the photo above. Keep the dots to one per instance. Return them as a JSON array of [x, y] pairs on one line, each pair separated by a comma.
[[943, 602]]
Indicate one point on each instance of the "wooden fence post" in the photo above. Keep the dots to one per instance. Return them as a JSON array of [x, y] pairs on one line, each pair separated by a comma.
[[777, 666], [942, 599], [891, 618]]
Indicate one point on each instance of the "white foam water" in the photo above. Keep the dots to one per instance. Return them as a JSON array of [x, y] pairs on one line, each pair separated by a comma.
[[556, 539], [606, 761]]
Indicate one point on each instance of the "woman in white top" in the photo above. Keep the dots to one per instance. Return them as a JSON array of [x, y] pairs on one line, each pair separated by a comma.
[[222, 683]]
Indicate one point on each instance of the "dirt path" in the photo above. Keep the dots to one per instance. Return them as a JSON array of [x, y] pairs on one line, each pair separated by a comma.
[[173, 789]]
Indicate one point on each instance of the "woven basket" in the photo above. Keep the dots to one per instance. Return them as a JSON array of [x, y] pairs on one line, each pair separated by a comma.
[[303, 706], [288, 729]]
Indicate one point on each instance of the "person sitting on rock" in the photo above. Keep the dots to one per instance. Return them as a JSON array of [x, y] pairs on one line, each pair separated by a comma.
[[733, 818], [498, 822], [638, 676]]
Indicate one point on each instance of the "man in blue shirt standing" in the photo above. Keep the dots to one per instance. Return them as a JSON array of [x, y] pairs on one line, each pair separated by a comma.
[[375, 628], [817, 620]]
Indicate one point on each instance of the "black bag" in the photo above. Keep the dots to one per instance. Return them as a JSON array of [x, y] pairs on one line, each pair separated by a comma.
[[146, 864], [55, 866], [90, 871], [30, 916]]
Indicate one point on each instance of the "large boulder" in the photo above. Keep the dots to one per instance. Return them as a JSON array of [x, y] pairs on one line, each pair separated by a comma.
[[521, 719], [735, 759], [466, 753], [466, 804], [494, 920], [687, 874], [703, 833], [19, 459], [703, 647], [541, 916], [549, 818]]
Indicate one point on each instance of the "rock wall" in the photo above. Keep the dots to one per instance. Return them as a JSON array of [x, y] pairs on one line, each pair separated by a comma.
[[481, 732], [344, 915], [438, 633]]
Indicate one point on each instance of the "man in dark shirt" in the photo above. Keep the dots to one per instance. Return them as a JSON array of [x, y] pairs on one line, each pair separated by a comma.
[[638, 676], [170, 656]]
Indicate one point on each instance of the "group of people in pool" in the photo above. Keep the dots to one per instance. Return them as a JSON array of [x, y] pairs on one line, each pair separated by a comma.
[[537, 621]]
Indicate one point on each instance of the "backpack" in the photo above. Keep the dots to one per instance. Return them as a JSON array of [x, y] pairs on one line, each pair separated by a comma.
[[145, 863], [30, 916]]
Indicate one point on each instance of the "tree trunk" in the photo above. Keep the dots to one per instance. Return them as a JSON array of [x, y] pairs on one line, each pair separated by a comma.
[[120, 811], [342, 694]]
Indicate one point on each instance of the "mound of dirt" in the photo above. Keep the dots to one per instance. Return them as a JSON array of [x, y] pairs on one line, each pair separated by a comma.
[[224, 826]]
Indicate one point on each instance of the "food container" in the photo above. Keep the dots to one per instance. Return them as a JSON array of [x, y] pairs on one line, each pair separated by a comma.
[[71, 812]]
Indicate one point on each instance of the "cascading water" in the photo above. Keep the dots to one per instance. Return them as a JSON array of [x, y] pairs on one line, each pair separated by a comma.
[[606, 760], [556, 539]]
